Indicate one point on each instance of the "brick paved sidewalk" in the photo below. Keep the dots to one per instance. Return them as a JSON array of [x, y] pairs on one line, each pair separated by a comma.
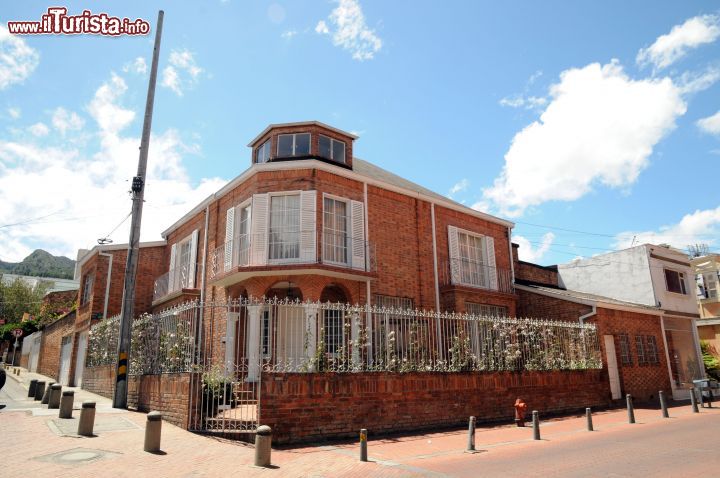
[[32, 446]]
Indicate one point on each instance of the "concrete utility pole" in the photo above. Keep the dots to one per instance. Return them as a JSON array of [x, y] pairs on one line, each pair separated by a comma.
[[138, 194]]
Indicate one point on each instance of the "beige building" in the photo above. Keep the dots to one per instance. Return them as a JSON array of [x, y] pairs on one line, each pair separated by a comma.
[[707, 275]]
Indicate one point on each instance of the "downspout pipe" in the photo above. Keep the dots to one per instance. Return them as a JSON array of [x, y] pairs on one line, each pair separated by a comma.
[[204, 255], [582, 318], [107, 281]]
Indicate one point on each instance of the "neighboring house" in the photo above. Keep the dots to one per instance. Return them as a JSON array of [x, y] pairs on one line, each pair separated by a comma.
[[54, 284], [308, 221], [655, 276], [707, 276]]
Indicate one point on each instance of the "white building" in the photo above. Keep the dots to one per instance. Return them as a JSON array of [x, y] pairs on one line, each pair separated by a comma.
[[55, 284], [653, 275]]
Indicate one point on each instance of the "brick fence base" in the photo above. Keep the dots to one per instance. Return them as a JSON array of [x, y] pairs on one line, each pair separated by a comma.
[[168, 393], [307, 407]]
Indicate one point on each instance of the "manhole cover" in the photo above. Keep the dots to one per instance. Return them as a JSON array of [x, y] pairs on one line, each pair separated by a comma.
[[76, 456]]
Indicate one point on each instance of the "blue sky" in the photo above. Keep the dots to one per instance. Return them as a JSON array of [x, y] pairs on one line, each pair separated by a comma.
[[567, 117]]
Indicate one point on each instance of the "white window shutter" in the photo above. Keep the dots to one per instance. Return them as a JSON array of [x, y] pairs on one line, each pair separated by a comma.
[[454, 249], [357, 235], [259, 230], [172, 273], [490, 262], [229, 236], [193, 258], [308, 230]]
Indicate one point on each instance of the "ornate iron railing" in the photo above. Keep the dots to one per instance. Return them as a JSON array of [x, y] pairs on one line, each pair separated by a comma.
[[470, 273]]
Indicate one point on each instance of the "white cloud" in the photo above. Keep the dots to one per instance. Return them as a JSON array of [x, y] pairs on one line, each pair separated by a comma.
[[138, 66], [289, 34], [182, 73], [322, 28], [528, 253], [520, 101], [460, 186], [63, 120], [350, 30], [711, 124], [693, 82], [39, 129], [482, 206], [83, 191], [699, 227], [672, 46], [17, 59], [599, 127], [14, 113]]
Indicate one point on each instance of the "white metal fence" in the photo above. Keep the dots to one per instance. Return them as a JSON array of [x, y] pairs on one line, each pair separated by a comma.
[[229, 345]]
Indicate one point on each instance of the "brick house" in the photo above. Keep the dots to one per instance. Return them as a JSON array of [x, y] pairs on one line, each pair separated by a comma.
[[646, 346], [101, 274], [308, 221], [707, 276]]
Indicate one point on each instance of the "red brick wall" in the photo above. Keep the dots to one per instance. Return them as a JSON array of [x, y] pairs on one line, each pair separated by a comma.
[[166, 393], [535, 273], [538, 306], [150, 266], [641, 381], [49, 359], [306, 407]]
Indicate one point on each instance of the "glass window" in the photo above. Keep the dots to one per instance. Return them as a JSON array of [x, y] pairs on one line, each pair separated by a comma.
[[293, 145], [302, 144], [244, 235], [335, 228], [265, 334], [285, 145], [180, 276], [263, 153], [710, 280], [338, 150], [390, 302], [625, 357], [640, 349], [651, 349], [332, 149], [87, 288], [486, 310], [471, 263], [675, 281], [325, 147], [284, 240]]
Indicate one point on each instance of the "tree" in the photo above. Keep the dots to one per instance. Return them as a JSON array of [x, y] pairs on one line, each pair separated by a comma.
[[19, 297]]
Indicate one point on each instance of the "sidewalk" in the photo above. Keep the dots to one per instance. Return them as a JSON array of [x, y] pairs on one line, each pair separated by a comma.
[[34, 444]]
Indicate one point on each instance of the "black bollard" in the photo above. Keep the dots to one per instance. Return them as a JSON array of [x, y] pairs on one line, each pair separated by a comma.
[[588, 414], [663, 405], [536, 425], [630, 409]]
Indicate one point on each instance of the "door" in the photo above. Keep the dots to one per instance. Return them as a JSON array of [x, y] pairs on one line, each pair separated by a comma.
[[80, 361], [65, 356], [613, 373], [35, 351]]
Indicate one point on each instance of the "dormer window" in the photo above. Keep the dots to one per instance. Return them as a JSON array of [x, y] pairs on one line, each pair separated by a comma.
[[297, 144], [332, 149], [263, 153]]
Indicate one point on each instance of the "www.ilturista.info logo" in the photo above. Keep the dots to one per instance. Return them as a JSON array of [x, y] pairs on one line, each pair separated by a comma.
[[58, 22]]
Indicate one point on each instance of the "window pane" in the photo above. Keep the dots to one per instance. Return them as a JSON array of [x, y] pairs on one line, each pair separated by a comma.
[[285, 145], [285, 227], [333, 329], [324, 150], [673, 279], [302, 144], [471, 263], [338, 151], [335, 248]]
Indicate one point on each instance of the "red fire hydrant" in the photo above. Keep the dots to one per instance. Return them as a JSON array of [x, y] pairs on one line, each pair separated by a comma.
[[520, 409]]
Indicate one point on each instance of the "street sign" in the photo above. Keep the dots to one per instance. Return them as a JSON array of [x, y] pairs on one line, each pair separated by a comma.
[[18, 332]]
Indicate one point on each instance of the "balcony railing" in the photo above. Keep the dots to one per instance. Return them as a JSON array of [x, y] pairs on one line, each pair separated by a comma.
[[174, 280], [336, 249], [465, 272]]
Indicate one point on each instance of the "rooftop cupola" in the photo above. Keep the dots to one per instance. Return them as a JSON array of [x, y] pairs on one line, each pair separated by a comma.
[[304, 140]]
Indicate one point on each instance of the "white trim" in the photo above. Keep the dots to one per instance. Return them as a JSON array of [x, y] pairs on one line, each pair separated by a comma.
[[348, 229], [590, 302], [115, 247], [338, 171], [299, 123], [107, 282]]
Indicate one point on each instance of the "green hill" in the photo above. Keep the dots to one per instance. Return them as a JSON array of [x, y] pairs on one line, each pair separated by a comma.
[[41, 264]]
